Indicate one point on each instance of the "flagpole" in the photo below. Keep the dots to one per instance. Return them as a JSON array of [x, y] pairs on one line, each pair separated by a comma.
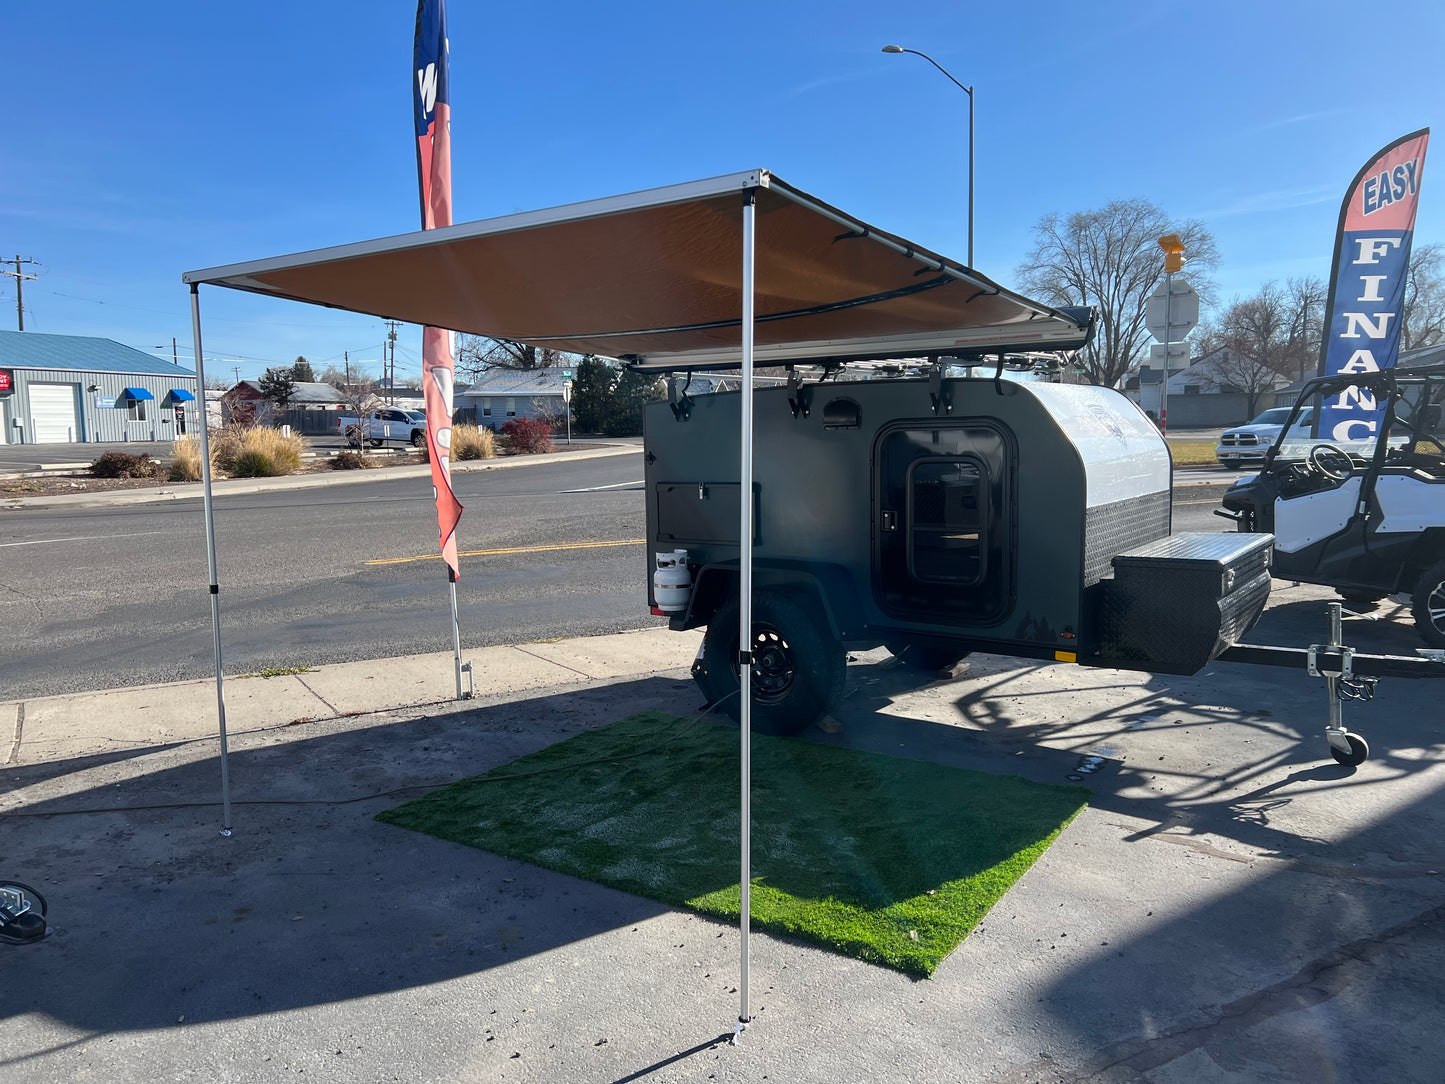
[[210, 516], [456, 630]]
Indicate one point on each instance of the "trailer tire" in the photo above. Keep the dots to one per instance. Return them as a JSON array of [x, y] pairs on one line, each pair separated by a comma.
[[1428, 605], [925, 654], [798, 667]]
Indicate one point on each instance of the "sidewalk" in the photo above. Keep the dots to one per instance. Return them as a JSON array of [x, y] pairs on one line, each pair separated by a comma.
[[1233, 905]]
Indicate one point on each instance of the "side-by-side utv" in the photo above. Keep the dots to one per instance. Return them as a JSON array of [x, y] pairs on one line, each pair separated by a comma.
[[1364, 516], [935, 516]]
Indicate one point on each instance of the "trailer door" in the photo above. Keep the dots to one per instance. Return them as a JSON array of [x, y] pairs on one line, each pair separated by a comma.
[[942, 522]]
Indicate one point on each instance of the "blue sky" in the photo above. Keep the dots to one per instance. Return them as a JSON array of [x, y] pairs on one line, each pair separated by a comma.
[[142, 140]]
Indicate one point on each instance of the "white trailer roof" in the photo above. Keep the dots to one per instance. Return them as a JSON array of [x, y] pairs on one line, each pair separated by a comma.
[[655, 278]]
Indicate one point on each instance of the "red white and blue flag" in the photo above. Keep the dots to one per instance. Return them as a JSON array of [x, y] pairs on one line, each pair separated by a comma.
[[1367, 282], [434, 165]]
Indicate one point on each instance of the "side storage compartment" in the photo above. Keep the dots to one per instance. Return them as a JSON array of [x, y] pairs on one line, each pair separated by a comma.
[[1174, 604]]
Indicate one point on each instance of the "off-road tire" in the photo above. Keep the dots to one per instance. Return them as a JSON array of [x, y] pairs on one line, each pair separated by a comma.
[[797, 671], [1428, 605]]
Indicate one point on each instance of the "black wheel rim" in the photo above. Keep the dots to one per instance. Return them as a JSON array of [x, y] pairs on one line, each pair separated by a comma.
[[774, 667], [1435, 607]]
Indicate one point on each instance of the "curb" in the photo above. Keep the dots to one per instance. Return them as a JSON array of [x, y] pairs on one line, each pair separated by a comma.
[[249, 486]]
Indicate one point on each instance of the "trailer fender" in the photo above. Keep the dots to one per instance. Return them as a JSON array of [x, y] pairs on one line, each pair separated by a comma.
[[828, 589]]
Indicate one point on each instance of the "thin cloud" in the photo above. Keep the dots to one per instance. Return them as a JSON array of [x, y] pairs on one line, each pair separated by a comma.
[[1284, 199], [1285, 122]]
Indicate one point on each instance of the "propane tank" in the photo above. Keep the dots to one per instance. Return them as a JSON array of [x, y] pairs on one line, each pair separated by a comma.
[[672, 582]]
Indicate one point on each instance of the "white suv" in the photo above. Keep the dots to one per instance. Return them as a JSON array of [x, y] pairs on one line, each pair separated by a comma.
[[1245, 445]]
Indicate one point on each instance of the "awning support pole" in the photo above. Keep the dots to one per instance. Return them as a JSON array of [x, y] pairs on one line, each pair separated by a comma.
[[745, 594], [210, 512]]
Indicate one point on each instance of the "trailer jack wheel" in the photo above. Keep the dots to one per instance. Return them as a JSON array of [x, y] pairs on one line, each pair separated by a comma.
[[1358, 749], [1347, 748]]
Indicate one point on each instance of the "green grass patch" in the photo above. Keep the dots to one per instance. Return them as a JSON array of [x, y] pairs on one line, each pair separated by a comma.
[[1193, 453], [892, 861], [279, 671]]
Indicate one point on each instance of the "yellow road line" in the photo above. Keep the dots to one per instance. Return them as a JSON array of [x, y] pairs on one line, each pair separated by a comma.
[[513, 549]]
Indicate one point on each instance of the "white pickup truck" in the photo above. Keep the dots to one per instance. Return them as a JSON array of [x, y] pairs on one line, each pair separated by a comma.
[[382, 426]]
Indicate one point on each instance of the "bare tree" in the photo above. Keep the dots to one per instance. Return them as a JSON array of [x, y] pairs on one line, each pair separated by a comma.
[[1423, 322], [360, 398], [1305, 318], [1110, 258], [1255, 335], [477, 355]]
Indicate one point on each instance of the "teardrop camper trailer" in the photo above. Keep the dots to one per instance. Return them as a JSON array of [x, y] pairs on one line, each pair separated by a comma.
[[937, 517]]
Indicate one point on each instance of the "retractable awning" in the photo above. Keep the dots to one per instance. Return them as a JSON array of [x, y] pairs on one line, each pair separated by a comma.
[[724, 272], [654, 278]]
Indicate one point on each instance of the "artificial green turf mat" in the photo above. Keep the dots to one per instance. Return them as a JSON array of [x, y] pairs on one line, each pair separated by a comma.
[[849, 850]]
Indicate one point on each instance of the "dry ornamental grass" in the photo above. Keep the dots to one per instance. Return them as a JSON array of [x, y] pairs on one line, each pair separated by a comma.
[[470, 442], [259, 452]]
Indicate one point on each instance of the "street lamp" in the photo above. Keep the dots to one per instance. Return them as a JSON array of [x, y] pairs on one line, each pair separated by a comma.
[[969, 92]]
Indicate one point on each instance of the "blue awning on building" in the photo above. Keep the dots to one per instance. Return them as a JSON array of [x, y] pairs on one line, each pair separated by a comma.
[[136, 393], [180, 395]]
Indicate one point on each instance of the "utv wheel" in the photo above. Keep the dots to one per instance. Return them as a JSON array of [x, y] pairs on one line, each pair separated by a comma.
[[1428, 605], [1362, 601], [797, 668], [925, 655]]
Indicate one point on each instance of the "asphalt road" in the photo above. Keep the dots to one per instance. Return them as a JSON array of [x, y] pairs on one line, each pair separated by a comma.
[[98, 598], [103, 597]]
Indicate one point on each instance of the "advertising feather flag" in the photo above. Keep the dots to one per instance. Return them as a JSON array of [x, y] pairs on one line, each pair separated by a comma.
[[1367, 282], [434, 167]]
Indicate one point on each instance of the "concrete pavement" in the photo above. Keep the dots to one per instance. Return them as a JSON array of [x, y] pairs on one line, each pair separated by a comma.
[[1233, 906]]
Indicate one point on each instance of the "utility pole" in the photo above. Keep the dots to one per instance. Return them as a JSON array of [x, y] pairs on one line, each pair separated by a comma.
[[237, 370], [392, 325], [175, 353], [19, 289]]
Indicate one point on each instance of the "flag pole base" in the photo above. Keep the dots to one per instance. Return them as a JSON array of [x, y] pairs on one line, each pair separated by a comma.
[[742, 1026]]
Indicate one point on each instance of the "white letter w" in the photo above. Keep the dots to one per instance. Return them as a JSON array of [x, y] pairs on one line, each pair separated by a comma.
[[426, 81]]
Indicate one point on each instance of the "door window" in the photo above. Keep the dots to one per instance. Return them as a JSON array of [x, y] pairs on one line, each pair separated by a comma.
[[946, 538], [942, 521]]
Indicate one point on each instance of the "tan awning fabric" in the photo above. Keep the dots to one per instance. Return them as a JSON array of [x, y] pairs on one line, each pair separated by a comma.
[[656, 278]]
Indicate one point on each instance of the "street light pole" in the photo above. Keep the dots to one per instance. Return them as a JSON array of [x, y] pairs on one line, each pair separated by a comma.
[[969, 92]]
